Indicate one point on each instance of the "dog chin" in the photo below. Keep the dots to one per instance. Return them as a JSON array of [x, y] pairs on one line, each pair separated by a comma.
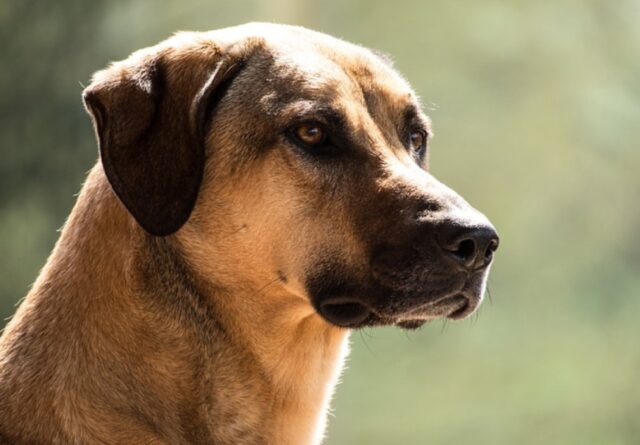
[[456, 307], [352, 313], [346, 307], [411, 325]]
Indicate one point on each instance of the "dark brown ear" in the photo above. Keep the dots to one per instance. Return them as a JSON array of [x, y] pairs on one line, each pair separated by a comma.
[[150, 120]]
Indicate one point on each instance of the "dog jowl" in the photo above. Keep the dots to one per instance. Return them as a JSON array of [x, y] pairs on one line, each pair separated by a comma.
[[261, 191]]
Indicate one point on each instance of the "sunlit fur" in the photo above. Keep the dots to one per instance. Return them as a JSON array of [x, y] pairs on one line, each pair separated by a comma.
[[209, 335]]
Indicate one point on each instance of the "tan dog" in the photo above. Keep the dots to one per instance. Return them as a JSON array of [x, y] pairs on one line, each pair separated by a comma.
[[261, 191]]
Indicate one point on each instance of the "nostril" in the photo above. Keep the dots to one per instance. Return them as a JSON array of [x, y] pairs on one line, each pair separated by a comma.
[[491, 248], [472, 247], [465, 250]]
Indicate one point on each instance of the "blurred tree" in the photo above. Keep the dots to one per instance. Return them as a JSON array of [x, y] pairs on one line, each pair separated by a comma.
[[47, 49]]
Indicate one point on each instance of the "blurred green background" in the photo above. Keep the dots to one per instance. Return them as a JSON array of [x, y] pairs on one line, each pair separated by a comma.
[[536, 106]]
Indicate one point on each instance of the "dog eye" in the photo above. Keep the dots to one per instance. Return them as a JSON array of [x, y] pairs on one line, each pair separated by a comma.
[[310, 133], [417, 140]]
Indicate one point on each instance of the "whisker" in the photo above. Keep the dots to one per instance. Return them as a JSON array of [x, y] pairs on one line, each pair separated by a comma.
[[476, 316], [369, 334], [364, 341]]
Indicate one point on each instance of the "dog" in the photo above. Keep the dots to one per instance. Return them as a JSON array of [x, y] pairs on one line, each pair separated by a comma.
[[262, 190]]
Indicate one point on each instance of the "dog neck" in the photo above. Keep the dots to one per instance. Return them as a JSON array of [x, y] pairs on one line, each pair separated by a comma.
[[209, 361], [286, 349], [297, 355]]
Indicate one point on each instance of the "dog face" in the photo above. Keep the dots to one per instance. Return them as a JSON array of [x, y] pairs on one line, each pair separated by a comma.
[[293, 165]]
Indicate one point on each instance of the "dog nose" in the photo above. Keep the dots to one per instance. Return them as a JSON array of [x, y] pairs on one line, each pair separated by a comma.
[[472, 247]]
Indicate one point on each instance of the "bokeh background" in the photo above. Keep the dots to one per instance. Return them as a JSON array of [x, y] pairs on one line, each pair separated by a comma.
[[536, 106]]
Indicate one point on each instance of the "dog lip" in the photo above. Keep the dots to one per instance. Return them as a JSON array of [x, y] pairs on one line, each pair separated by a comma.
[[455, 306], [449, 306], [345, 312], [464, 307]]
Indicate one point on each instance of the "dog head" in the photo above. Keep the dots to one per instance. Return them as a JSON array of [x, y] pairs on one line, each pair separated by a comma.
[[293, 165]]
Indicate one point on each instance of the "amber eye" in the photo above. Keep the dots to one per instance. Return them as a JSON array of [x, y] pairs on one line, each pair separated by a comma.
[[310, 133], [417, 140]]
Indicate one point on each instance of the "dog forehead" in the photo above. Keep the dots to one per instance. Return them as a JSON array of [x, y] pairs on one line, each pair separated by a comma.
[[334, 72], [302, 59]]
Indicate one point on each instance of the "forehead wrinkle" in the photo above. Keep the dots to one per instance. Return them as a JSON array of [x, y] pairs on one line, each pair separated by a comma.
[[388, 96], [301, 73], [385, 107], [306, 64], [352, 101], [353, 96]]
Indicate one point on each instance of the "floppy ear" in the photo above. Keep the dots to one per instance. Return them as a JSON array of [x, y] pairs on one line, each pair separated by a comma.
[[150, 120]]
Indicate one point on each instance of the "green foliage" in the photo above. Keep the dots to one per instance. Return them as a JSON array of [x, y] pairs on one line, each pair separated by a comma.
[[536, 108]]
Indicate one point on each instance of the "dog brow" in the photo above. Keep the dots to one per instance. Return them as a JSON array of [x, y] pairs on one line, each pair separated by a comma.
[[413, 115], [308, 109]]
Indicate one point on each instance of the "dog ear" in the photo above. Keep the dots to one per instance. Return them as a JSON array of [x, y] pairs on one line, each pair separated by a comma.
[[149, 119]]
